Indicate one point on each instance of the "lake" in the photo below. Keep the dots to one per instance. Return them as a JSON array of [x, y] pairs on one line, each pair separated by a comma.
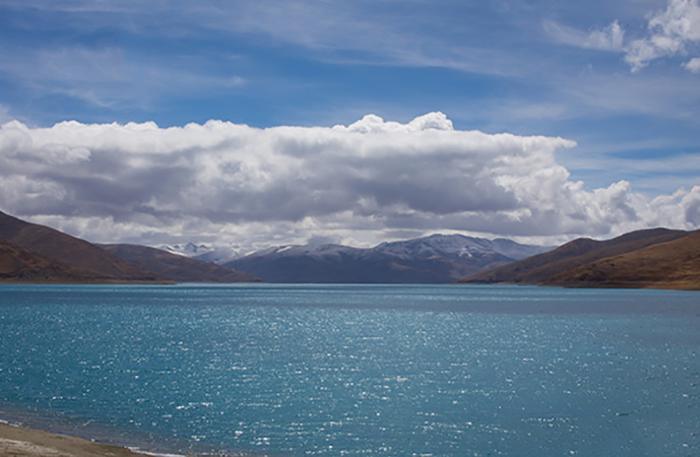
[[356, 370]]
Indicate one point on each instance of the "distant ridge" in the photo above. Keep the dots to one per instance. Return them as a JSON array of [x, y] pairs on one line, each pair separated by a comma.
[[431, 259], [174, 266], [188, 249], [658, 257]]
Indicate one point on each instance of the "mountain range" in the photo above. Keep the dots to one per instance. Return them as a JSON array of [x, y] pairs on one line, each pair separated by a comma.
[[658, 258], [176, 267], [32, 252], [431, 259], [36, 253]]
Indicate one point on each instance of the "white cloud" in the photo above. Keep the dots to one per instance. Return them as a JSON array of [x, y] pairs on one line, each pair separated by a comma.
[[233, 183], [693, 65], [670, 32], [610, 38]]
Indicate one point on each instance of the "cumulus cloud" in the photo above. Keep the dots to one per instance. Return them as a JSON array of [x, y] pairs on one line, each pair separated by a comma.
[[670, 32], [227, 182]]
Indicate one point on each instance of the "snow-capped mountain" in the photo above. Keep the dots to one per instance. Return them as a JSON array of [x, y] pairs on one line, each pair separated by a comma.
[[205, 252], [457, 245], [221, 254], [188, 249], [315, 250], [436, 258]]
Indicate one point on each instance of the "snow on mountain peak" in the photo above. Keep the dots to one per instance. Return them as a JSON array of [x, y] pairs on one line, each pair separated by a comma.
[[189, 249], [438, 244]]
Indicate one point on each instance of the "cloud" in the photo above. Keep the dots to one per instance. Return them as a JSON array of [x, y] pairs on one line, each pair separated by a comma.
[[367, 33], [228, 182], [610, 38], [670, 32], [693, 65], [108, 78]]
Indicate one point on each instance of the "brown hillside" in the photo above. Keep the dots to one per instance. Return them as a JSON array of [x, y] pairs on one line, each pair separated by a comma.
[[17, 264], [541, 269], [673, 264], [68, 250]]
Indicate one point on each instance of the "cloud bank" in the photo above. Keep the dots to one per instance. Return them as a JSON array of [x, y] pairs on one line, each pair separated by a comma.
[[359, 183]]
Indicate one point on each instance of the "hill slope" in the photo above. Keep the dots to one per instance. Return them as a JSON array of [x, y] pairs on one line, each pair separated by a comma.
[[17, 264], [175, 267], [433, 259], [672, 264], [64, 249], [643, 258]]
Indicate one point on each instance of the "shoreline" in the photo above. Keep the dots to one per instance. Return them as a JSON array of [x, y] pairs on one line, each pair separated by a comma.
[[678, 287], [21, 441], [32, 438]]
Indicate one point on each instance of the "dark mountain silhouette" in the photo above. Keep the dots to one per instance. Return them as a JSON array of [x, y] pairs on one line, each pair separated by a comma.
[[432, 259]]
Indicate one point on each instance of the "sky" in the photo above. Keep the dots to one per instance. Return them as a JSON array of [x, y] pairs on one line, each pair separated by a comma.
[[270, 122]]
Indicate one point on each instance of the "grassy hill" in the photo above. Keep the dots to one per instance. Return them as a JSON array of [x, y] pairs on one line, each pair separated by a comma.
[[647, 258]]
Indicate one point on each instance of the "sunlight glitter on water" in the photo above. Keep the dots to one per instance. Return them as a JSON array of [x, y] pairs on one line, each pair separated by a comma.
[[359, 370]]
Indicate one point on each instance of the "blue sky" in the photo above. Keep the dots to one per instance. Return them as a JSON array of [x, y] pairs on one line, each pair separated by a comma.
[[535, 67]]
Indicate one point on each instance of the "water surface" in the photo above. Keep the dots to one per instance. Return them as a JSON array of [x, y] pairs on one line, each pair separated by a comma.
[[357, 370]]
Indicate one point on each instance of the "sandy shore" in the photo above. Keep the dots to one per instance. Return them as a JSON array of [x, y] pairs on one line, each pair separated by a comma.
[[25, 442]]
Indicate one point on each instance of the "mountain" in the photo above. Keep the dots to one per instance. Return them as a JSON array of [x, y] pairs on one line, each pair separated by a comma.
[[17, 264], [220, 254], [63, 252], [188, 249], [458, 246], [32, 252], [212, 253], [646, 258], [672, 264], [175, 267], [432, 259]]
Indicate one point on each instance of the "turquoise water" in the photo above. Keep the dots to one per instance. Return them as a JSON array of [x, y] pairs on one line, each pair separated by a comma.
[[357, 370]]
